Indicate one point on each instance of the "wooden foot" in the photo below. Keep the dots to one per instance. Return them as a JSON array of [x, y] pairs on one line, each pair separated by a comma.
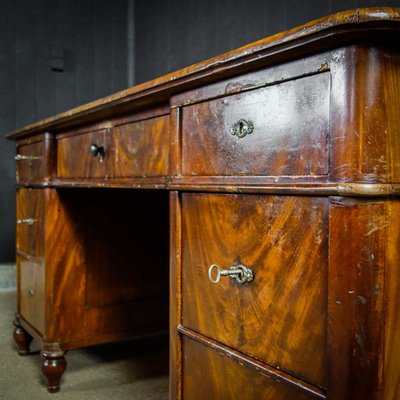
[[53, 366], [22, 338]]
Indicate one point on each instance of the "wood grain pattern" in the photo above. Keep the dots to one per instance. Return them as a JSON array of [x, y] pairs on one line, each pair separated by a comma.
[[31, 277], [280, 317], [290, 131], [74, 159], [106, 269], [141, 148], [365, 122], [391, 367], [225, 378], [41, 168], [30, 209], [358, 245]]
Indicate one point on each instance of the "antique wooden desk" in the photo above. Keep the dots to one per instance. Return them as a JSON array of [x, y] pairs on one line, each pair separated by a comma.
[[277, 164]]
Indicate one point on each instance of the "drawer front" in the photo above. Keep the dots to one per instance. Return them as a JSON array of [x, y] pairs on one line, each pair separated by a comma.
[[222, 377], [75, 158], [31, 276], [278, 130], [280, 316], [141, 148], [31, 162], [30, 221]]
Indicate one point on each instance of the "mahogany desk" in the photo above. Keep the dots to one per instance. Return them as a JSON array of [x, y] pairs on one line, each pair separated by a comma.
[[272, 176]]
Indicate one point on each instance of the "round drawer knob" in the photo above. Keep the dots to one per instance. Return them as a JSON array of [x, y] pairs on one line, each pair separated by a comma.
[[239, 272], [96, 150], [31, 292]]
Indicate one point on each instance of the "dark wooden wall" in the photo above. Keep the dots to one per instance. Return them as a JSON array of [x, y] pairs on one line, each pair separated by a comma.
[[91, 37], [176, 33]]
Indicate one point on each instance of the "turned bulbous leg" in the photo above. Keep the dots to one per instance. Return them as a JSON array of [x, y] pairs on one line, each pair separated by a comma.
[[53, 367], [22, 338]]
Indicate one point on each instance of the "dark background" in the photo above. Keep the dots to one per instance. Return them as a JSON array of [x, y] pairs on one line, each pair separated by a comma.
[[106, 46]]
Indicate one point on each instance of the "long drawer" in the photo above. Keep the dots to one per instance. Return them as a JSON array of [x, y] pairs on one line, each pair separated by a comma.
[[211, 374], [275, 130], [279, 317]]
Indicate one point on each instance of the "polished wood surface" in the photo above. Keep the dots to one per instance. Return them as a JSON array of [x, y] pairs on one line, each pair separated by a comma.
[[290, 135], [279, 317], [327, 32], [308, 200], [229, 379]]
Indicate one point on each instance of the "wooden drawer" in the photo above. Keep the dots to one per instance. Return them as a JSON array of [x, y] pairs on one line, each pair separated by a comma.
[[289, 122], [280, 316], [34, 159], [30, 221], [142, 148], [31, 281], [211, 374], [75, 158], [134, 149]]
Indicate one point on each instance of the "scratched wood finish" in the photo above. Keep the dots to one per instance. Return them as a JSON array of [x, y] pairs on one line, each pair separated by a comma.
[[290, 131], [280, 317], [228, 379], [141, 148], [331, 31], [363, 313], [41, 167], [30, 208], [365, 144], [31, 286]]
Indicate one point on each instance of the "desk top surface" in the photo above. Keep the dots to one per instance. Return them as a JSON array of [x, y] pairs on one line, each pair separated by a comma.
[[324, 33]]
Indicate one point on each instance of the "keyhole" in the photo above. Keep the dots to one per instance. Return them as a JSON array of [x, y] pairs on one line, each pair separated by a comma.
[[241, 127]]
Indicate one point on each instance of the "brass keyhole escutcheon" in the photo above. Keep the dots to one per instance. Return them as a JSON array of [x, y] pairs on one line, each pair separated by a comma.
[[242, 128]]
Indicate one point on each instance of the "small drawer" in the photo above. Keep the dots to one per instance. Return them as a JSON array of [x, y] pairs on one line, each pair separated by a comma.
[[29, 236], [211, 374], [142, 148], [83, 155], [276, 130], [31, 277], [134, 149], [34, 160], [280, 316]]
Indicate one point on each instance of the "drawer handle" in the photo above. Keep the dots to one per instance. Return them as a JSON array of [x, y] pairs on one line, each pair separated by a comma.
[[28, 221], [31, 292], [96, 150], [239, 272], [242, 128], [21, 157]]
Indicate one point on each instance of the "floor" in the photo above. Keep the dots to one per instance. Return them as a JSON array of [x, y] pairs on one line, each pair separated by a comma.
[[128, 370]]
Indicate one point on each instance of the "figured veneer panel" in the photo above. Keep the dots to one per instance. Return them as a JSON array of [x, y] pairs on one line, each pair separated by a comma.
[[75, 159], [210, 374], [290, 136], [279, 317], [107, 280], [29, 237], [141, 148]]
